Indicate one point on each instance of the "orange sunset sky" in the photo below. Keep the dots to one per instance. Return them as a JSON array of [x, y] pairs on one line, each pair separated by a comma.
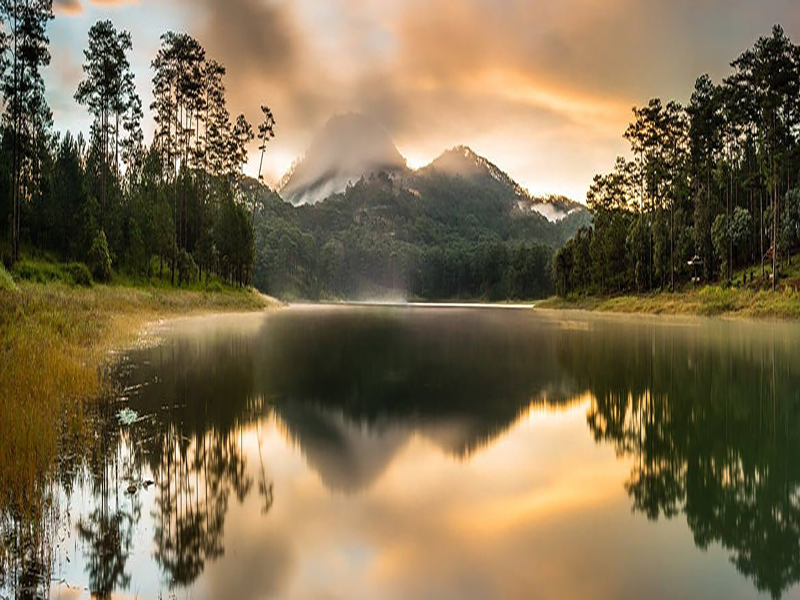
[[543, 89]]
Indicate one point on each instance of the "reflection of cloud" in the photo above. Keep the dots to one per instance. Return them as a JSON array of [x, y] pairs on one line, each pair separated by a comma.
[[263, 567], [540, 514]]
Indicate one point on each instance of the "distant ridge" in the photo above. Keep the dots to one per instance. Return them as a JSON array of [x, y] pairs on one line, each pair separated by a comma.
[[353, 147]]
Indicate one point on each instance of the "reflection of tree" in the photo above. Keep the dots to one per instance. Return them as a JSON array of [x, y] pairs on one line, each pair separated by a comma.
[[714, 432], [201, 397], [195, 477], [265, 488], [194, 406], [108, 535], [107, 531], [481, 369]]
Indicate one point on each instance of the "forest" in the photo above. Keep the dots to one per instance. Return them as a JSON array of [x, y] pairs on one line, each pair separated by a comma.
[[179, 211], [110, 203], [710, 192], [451, 237]]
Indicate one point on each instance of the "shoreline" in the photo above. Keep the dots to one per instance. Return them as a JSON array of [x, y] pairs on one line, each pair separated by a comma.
[[56, 342], [709, 301]]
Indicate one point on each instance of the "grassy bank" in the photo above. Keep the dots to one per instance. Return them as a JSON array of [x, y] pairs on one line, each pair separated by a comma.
[[706, 301], [54, 339]]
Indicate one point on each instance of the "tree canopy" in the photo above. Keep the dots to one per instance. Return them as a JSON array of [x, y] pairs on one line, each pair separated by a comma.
[[714, 179]]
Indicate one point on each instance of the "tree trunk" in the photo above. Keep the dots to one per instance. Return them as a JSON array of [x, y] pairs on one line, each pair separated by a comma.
[[774, 228], [672, 247], [730, 229], [761, 218], [16, 160]]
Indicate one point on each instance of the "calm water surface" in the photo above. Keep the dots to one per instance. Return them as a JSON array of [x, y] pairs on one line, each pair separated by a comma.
[[367, 452]]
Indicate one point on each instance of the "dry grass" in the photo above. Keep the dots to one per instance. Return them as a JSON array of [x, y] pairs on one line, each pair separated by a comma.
[[6, 283], [707, 301], [54, 341]]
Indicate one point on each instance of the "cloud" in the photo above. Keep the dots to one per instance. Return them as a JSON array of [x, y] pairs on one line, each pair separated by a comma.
[[544, 88], [75, 7], [67, 7]]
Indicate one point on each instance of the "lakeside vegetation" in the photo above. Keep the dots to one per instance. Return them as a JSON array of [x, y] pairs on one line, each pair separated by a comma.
[[55, 339], [112, 202], [712, 187], [705, 301]]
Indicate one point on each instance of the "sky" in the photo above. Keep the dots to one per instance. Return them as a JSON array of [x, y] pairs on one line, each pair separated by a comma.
[[544, 89]]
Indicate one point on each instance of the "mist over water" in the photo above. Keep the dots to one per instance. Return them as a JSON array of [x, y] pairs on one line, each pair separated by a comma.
[[429, 452]]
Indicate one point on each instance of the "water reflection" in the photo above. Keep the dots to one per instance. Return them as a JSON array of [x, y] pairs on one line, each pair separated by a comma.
[[441, 465], [711, 419]]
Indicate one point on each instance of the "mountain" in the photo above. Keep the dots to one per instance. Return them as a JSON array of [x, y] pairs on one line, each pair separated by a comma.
[[462, 162], [353, 147], [436, 233], [359, 224], [348, 148]]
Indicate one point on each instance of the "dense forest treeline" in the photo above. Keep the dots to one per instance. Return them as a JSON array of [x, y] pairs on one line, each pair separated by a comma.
[[175, 207], [711, 186]]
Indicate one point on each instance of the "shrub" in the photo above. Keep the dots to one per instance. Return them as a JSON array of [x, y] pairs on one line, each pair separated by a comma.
[[38, 272], [100, 258], [213, 286], [187, 268], [79, 273]]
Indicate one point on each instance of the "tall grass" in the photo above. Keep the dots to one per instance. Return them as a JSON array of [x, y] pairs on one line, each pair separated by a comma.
[[54, 339], [6, 282], [707, 301]]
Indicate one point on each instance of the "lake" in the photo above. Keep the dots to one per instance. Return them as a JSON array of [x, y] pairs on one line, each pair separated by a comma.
[[435, 453]]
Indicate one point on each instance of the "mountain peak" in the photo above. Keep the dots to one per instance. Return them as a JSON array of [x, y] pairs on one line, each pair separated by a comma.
[[349, 147], [352, 146], [463, 161]]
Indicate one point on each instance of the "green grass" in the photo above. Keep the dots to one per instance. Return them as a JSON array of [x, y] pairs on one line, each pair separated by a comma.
[[44, 271], [6, 282], [54, 337], [211, 283], [713, 300]]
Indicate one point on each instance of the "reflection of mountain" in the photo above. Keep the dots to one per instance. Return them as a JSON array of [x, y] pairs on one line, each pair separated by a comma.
[[352, 385], [347, 456], [470, 371]]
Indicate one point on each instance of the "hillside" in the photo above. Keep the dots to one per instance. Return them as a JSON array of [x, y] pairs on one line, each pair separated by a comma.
[[437, 236], [358, 223]]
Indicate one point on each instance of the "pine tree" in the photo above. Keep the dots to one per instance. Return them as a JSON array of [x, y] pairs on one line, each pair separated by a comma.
[[109, 92], [27, 116]]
